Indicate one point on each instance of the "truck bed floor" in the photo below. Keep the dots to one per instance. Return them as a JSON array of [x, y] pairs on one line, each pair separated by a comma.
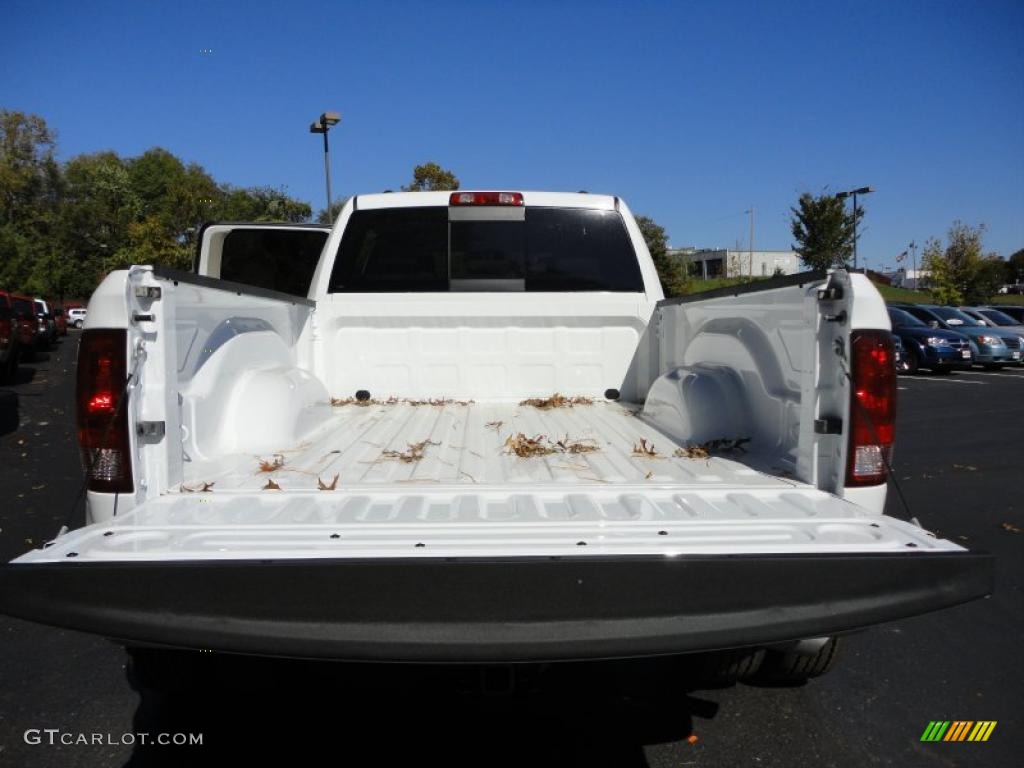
[[465, 444]]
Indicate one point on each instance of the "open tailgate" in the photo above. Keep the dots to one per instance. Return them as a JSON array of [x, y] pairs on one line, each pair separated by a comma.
[[448, 574]]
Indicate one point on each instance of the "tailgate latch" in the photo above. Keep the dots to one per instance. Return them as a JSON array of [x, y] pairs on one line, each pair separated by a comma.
[[151, 429], [830, 425]]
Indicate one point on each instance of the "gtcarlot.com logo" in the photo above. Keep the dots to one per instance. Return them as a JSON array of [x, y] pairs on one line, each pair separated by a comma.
[[958, 730], [55, 736]]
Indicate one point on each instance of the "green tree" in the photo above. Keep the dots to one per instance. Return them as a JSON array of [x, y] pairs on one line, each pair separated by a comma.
[[671, 272], [30, 188], [260, 204], [336, 206], [1013, 270], [431, 177], [941, 283], [823, 230], [960, 271]]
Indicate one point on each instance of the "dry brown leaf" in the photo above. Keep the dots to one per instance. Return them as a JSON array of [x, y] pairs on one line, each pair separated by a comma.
[[271, 466], [557, 401], [707, 448], [203, 488], [413, 453], [327, 487], [692, 452], [1012, 528], [437, 401], [271, 485], [645, 449], [587, 445], [525, 447]]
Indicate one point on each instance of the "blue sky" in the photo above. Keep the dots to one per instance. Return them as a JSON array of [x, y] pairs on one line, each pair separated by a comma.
[[692, 112]]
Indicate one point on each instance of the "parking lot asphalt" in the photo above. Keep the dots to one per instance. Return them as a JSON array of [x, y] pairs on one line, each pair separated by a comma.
[[958, 460]]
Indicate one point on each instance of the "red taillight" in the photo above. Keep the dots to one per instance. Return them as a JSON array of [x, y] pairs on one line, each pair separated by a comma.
[[872, 407], [102, 417], [485, 198]]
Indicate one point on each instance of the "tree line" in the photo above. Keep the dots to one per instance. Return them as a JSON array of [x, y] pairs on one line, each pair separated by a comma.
[[960, 270], [64, 225]]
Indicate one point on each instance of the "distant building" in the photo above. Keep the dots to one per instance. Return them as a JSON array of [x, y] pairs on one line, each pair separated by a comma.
[[707, 263], [910, 278]]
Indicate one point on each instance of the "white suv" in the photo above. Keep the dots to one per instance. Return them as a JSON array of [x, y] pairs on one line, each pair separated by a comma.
[[76, 316]]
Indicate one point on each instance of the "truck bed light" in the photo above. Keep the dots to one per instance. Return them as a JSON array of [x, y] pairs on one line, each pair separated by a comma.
[[486, 198]]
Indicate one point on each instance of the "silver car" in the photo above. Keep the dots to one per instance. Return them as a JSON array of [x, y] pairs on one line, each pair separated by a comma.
[[994, 318]]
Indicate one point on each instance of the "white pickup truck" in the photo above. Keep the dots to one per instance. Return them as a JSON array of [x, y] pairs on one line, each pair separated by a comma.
[[468, 427]]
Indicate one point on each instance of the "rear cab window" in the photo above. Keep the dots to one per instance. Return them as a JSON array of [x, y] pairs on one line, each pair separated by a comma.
[[273, 259], [531, 249]]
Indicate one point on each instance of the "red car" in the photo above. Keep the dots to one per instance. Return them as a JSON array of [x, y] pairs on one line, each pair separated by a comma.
[[27, 325], [8, 338]]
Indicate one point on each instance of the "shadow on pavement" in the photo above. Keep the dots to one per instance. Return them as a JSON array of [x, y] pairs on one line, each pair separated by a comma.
[[573, 714], [9, 414]]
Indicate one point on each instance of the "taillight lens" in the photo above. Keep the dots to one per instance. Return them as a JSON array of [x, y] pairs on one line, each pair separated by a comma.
[[872, 407], [102, 417]]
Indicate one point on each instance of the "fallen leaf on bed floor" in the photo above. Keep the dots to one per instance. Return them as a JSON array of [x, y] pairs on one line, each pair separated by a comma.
[[271, 485], [557, 401], [271, 466], [413, 453], [645, 449], [524, 447], [587, 445], [692, 452], [325, 487], [203, 488], [708, 447]]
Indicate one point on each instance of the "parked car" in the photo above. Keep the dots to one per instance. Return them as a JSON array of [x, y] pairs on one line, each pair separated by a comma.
[[994, 318], [1016, 311], [61, 322], [8, 338], [447, 316], [936, 349], [992, 347], [28, 325], [47, 325], [898, 353], [76, 316]]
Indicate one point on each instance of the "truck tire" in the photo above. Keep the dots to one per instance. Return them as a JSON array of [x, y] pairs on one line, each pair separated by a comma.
[[788, 668], [728, 667], [167, 671], [912, 361]]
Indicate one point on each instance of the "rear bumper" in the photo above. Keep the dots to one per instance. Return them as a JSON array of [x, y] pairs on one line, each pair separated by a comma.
[[529, 609]]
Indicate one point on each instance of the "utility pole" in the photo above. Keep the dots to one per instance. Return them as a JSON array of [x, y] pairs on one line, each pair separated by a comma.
[[913, 255], [751, 269]]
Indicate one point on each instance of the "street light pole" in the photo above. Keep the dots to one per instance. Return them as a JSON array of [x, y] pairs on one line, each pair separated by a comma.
[[323, 125], [853, 193], [913, 255], [751, 269]]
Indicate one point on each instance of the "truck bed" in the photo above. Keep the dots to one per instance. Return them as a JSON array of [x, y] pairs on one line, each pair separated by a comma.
[[466, 445], [468, 497]]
